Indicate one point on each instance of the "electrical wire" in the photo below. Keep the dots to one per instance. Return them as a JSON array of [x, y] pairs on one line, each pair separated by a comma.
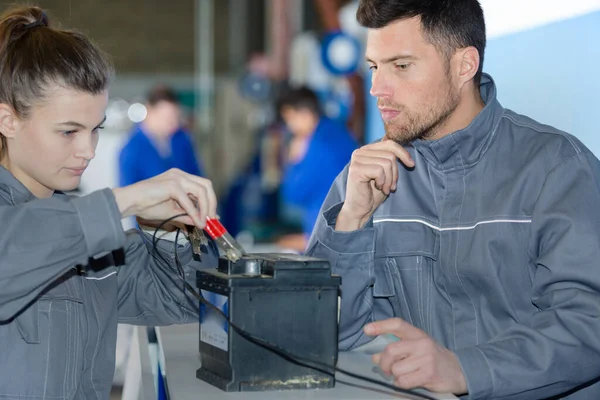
[[298, 360]]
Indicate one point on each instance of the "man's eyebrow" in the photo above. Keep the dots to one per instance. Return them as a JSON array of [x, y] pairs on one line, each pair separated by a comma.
[[403, 57]]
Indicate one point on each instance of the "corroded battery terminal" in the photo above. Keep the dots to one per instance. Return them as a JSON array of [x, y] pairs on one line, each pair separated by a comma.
[[197, 239]]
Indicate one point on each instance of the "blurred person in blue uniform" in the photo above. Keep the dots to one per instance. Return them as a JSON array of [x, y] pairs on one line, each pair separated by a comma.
[[159, 142], [318, 151]]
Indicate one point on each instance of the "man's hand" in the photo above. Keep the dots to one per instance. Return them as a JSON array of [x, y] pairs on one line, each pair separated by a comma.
[[417, 361], [372, 176]]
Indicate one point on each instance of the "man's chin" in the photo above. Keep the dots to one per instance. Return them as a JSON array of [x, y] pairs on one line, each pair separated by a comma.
[[402, 139]]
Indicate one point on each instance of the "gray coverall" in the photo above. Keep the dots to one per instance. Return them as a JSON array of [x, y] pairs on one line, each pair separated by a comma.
[[68, 274], [491, 245]]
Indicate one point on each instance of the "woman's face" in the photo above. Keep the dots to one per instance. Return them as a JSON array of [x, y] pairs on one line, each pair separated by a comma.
[[50, 148]]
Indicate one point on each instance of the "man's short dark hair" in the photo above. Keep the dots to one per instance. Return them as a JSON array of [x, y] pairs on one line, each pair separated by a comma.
[[447, 24], [299, 98], [161, 93]]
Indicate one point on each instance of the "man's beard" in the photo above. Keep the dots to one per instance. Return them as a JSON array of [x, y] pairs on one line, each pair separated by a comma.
[[421, 125]]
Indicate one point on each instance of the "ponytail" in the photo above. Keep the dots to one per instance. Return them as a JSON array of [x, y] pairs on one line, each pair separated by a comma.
[[34, 55]]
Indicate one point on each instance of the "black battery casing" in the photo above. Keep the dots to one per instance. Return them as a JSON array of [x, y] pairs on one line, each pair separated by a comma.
[[287, 300]]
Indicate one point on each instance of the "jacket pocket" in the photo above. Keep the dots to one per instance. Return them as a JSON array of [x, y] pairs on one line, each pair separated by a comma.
[[404, 258], [64, 288], [44, 346]]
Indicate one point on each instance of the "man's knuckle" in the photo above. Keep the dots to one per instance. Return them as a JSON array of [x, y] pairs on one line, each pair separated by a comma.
[[427, 344], [396, 323], [395, 347], [387, 352], [430, 359], [429, 374]]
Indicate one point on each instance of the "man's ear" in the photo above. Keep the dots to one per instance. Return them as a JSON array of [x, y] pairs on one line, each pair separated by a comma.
[[469, 64], [9, 121]]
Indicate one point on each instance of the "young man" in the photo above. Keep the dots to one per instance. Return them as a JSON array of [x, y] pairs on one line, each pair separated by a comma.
[[470, 232], [158, 143], [318, 151]]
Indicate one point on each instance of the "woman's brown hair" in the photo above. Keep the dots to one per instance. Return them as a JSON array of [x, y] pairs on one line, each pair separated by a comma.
[[34, 55]]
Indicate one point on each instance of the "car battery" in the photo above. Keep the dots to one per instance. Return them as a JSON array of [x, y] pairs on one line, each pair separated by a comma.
[[287, 300]]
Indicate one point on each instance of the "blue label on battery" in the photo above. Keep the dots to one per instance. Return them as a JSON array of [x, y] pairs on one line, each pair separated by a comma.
[[214, 329]]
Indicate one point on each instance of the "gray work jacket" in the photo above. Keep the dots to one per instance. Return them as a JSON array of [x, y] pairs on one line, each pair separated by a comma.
[[491, 244], [68, 274]]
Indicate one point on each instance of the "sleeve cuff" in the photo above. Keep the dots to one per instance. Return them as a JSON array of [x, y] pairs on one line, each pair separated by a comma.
[[165, 245], [162, 234], [476, 372], [355, 242], [100, 221]]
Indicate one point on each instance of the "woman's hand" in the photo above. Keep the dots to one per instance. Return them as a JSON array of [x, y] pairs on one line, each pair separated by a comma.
[[166, 195]]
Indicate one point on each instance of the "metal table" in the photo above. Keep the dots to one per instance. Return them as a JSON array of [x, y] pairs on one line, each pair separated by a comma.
[[179, 359]]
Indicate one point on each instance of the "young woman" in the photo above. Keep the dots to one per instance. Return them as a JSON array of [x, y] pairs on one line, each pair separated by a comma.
[[68, 272]]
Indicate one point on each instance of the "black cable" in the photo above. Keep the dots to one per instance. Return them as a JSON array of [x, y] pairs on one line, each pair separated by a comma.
[[158, 228], [177, 262], [312, 364]]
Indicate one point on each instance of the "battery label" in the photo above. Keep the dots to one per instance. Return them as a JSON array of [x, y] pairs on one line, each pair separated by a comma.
[[213, 327]]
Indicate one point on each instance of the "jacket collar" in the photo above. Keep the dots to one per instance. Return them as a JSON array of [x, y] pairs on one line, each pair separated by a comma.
[[12, 189], [465, 147]]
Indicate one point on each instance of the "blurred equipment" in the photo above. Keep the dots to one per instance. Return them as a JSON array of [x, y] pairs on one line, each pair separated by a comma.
[[288, 301], [255, 87], [238, 121], [246, 172], [340, 53]]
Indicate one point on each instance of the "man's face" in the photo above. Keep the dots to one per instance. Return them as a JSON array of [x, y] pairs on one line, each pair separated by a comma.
[[411, 80]]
